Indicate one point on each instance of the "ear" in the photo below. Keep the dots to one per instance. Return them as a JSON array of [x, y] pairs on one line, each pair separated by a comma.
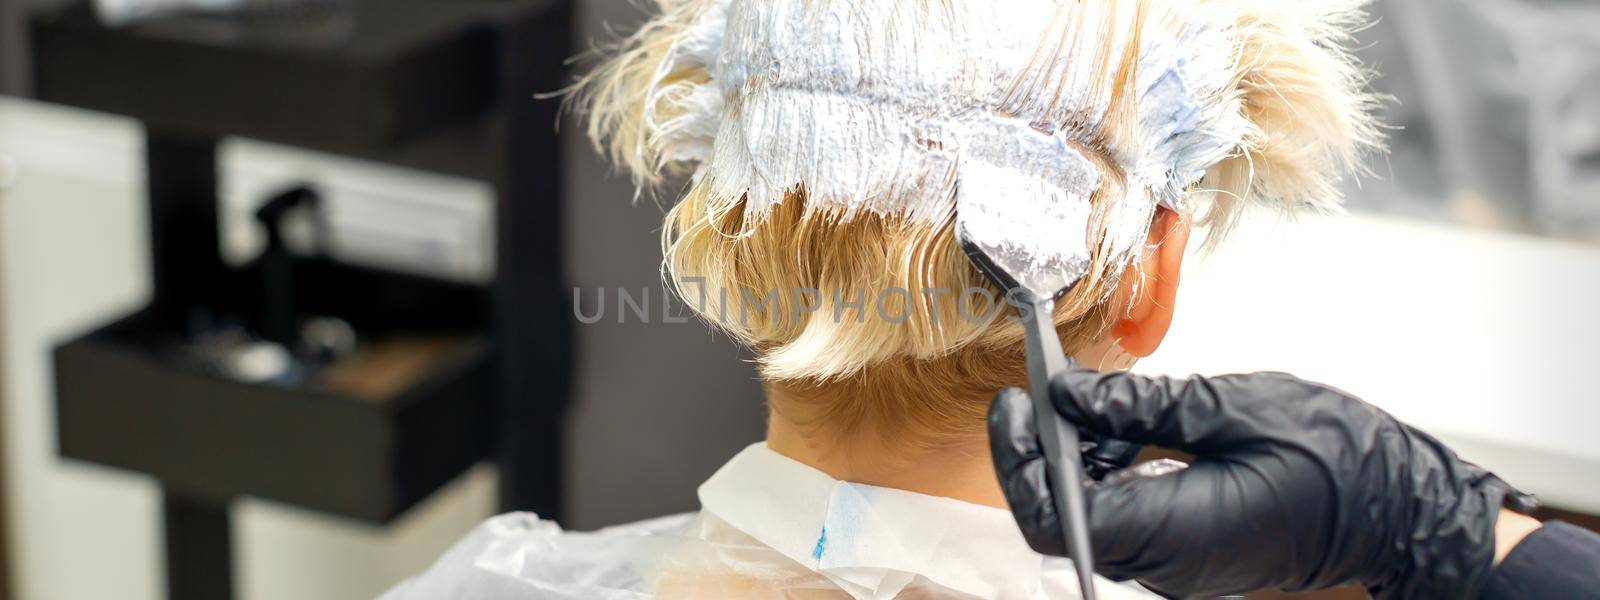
[[1151, 292]]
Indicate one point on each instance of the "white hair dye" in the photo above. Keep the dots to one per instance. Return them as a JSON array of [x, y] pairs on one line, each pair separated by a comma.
[[918, 109]]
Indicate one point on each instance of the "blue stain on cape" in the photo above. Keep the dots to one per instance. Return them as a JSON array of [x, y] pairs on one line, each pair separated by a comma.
[[822, 545]]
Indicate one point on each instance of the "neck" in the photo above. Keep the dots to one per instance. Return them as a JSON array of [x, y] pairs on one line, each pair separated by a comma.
[[961, 470]]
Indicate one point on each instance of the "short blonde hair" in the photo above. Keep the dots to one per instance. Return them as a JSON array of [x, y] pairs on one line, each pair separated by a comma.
[[931, 367]]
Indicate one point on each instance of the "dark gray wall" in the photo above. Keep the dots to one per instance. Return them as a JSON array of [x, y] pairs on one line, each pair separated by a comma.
[[14, 78], [657, 406], [10, 48]]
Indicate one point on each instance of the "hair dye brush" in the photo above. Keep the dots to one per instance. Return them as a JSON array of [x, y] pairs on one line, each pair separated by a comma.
[[1002, 242]]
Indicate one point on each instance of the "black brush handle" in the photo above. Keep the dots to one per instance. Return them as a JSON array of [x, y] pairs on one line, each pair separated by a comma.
[[1058, 438]]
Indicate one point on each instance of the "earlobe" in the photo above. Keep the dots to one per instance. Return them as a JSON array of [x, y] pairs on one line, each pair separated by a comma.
[[1153, 290]]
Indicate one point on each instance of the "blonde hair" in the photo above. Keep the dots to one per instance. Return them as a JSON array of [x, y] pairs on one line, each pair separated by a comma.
[[1289, 89]]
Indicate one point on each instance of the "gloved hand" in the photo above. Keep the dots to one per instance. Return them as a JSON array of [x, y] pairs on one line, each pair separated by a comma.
[[1295, 486]]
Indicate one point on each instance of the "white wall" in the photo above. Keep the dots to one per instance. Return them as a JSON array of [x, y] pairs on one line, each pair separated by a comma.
[[60, 278], [1488, 339]]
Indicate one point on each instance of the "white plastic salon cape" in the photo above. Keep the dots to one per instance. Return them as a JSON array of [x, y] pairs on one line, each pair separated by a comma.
[[769, 527]]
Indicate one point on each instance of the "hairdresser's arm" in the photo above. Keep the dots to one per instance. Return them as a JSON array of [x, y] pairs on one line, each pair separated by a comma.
[[1295, 486]]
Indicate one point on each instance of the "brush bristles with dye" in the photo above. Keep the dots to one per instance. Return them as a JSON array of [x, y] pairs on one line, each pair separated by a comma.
[[1029, 117]]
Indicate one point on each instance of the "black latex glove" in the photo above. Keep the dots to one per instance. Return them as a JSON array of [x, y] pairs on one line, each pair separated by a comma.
[[1295, 486]]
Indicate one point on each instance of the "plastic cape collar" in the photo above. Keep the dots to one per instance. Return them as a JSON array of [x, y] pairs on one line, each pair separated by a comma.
[[874, 542]]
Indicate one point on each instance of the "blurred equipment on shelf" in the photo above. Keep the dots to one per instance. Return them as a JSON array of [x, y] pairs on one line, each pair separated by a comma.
[[123, 12], [368, 213]]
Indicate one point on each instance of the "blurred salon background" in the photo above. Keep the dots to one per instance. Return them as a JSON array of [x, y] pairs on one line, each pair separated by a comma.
[[287, 286]]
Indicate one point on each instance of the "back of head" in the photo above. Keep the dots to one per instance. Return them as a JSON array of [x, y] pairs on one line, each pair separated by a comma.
[[828, 145]]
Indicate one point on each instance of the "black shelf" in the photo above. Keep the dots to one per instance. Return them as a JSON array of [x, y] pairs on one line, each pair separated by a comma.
[[120, 403], [399, 69]]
